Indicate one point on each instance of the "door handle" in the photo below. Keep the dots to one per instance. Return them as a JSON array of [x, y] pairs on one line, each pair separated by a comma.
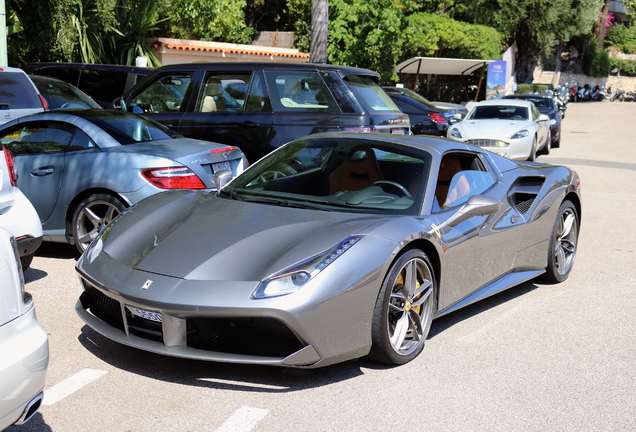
[[42, 171], [250, 124]]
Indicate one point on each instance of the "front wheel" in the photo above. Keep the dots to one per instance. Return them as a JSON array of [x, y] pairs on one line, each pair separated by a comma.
[[533, 151], [92, 215], [563, 244], [404, 310]]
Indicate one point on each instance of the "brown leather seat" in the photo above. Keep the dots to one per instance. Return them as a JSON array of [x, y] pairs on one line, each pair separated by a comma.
[[450, 166], [355, 175]]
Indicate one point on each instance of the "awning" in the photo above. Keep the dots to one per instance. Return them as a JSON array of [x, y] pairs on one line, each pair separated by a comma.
[[439, 66]]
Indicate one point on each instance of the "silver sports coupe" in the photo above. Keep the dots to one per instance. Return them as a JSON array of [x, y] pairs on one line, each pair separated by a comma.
[[333, 247], [81, 168]]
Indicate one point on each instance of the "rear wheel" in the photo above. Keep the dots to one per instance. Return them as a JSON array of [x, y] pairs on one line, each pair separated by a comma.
[[92, 215], [548, 145], [563, 243], [26, 261], [404, 310]]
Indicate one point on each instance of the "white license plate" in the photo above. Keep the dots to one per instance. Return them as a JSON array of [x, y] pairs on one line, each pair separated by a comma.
[[398, 131], [152, 316], [221, 166]]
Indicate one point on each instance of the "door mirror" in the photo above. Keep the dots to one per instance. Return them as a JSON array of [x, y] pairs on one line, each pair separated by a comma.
[[221, 178]]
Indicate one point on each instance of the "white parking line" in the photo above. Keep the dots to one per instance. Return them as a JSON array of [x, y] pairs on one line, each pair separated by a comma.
[[70, 385], [243, 420]]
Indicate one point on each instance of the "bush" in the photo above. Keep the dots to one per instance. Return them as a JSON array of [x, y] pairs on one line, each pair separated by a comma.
[[532, 88], [625, 67]]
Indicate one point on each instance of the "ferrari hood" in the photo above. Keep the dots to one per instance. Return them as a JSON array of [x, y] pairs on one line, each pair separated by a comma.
[[496, 129], [198, 236]]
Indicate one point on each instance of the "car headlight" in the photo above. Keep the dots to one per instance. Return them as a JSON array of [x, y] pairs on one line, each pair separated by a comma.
[[455, 133], [294, 277], [521, 134], [553, 122]]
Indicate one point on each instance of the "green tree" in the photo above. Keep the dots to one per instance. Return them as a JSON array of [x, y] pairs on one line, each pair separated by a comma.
[[533, 25], [210, 20]]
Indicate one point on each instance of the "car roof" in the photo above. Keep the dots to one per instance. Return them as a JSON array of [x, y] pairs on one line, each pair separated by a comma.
[[267, 65], [510, 102], [29, 68]]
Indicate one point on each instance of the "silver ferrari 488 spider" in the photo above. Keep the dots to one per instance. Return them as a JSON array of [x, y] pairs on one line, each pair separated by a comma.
[[333, 247]]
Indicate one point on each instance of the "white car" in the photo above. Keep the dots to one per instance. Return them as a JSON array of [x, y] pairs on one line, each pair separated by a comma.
[[24, 346], [17, 214], [511, 128]]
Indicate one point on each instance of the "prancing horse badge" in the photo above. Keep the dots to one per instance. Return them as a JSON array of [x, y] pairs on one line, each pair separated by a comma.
[[147, 284]]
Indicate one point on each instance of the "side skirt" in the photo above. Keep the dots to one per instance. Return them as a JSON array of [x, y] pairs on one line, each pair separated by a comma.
[[501, 284]]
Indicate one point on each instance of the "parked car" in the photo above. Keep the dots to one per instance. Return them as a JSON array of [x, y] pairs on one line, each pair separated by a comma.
[[510, 128], [18, 95], [425, 118], [546, 105], [24, 344], [102, 82], [332, 247], [62, 95], [17, 214], [458, 108], [83, 167], [260, 106]]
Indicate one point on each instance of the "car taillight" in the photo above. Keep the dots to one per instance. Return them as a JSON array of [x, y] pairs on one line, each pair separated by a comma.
[[224, 149], [45, 104], [13, 171], [173, 178], [438, 118], [365, 129]]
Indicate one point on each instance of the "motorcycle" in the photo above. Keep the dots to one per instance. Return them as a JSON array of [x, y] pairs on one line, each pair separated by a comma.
[[618, 95]]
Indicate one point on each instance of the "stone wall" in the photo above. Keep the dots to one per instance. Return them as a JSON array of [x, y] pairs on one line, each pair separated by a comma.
[[556, 78]]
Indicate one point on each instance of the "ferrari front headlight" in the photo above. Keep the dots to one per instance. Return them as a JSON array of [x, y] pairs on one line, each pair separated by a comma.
[[521, 134], [294, 277]]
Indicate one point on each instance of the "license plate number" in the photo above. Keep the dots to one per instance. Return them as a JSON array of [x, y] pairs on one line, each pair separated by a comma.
[[152, 316], [220, 166], [398, 131]]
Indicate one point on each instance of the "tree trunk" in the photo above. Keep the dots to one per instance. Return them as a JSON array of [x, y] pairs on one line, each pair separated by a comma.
[[319, 28], [527, 55], [601, 26]]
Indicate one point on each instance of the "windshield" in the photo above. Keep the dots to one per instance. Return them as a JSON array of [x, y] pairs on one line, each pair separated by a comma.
[[369, 92], [499, 112], [128, 128], [340, 174], [61, 95]]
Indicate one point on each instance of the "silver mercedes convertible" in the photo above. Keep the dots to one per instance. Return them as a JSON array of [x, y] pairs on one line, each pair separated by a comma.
[[333, 247]]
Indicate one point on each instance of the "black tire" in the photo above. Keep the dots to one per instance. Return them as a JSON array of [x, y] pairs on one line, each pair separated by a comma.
[[548, 145], [563, 243], [26, 261], [533, 151], [404, 311], [557, 142], [91, 215]]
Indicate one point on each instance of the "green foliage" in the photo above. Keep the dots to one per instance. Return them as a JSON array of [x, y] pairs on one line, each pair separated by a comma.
[[367, 34], [532, 88], [210, 20], [625, 67], [622, 37], [432, 35], [595, 62]]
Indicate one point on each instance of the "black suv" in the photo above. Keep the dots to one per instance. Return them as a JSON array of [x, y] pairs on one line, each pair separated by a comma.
[[102, 82], [260, 106]]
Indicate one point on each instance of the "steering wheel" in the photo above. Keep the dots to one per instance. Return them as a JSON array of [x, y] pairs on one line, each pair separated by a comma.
[[270, 175], [402, 189]]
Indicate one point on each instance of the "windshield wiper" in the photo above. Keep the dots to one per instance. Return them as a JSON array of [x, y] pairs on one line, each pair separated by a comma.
[[283, 203], [231, 194]]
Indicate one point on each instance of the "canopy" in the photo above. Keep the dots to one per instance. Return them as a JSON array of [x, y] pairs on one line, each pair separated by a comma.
[[439, 66]]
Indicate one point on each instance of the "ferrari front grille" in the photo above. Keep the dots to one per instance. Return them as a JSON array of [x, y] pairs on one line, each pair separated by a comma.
[[263, 337], [102, 306], [487, 143]]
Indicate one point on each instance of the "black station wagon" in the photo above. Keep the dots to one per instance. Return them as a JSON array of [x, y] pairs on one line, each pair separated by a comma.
[[260, 106]]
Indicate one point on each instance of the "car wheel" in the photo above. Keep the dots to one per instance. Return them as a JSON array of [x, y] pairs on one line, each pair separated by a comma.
[[557, 142], [548, 145], [563, 244], [92, 215], [533, 150], [404, 310], [26, 261]]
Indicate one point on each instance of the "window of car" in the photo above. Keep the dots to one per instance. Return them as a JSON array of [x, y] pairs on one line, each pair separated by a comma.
[[234, 92], [130, 128], [535, 112], [102, 84], [370, 94], [165, 94], [17, 91], [80, 141], [300, 91], [38, 138], [499, 112], [461, 175]]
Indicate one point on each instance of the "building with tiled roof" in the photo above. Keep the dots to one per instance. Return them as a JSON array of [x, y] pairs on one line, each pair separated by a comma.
[[173, 51]]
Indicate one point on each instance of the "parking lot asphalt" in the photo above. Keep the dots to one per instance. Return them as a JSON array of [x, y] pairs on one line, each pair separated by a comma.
[[537, 357]]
